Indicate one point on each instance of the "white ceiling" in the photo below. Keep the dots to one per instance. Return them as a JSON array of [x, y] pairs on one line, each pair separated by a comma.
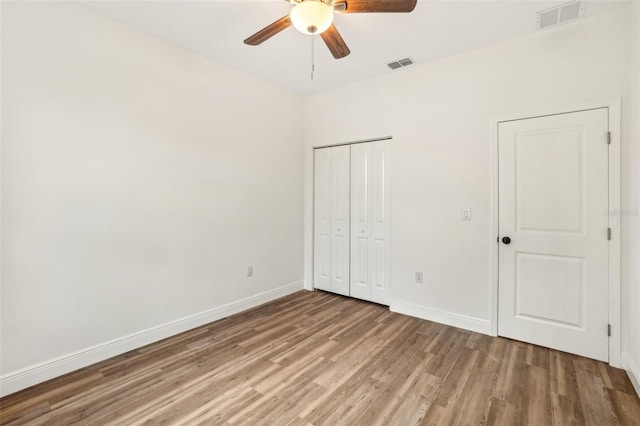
[[435, 29]]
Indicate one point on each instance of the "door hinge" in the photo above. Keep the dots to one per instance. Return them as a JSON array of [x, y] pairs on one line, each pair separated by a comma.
[[609, 234], [609, 330], [608, 138]]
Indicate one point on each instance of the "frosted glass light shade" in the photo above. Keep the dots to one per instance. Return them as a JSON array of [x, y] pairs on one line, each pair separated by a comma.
[[312, 16]]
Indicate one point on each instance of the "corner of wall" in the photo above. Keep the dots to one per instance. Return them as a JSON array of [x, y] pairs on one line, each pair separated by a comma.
[[633, 371], [631, 358]]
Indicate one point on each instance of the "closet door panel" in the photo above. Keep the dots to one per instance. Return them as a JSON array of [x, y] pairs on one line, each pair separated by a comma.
[[322, 257], [380, 209], [360, 221], [340, 203]]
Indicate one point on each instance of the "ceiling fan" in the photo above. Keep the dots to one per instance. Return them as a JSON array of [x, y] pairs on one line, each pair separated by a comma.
[[316, 17]]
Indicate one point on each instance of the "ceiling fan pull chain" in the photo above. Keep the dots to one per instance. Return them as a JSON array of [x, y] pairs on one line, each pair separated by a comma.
[[313, 64]]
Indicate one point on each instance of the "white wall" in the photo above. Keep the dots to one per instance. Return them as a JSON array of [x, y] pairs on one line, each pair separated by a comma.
[[631, 216], [439, 115], [139, 180]]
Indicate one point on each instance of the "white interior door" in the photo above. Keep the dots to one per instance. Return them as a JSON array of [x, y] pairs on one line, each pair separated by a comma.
[[553, 273], [331, 219], [340, 204], [370, 222], [322, 220]]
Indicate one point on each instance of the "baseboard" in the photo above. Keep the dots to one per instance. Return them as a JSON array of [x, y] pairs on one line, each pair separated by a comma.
[[21, 379], [633, 371], [442, 317]]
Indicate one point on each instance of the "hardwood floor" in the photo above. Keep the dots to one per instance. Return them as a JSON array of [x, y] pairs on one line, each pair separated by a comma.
[[314, 358]]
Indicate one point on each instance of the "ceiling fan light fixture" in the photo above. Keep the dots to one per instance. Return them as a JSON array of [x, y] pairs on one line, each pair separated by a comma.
[[312, 16]]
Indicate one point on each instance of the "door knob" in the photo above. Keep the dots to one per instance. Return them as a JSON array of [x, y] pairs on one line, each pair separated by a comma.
[[362, 232], [338, 229], [506, 240]]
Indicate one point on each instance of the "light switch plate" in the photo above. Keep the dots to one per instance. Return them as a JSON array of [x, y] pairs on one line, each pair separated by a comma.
[[466, 214]]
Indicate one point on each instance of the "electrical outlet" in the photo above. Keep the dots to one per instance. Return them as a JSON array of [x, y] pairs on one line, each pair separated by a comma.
[[419, 278], [249, 271], [466, 214]]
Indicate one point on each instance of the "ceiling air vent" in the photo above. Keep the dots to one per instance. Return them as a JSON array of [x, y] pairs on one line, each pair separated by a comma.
[[400, 63], [559, 14]]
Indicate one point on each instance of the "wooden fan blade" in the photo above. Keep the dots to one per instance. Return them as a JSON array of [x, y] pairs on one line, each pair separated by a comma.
[[383, 6], [268, 32], [335, 43]]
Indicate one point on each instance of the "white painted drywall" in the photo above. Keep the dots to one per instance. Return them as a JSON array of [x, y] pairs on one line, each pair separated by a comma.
[[439, 115], [139, 181], [631, 210]]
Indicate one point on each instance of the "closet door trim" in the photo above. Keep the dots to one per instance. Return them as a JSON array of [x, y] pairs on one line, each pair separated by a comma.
[[382, 138]]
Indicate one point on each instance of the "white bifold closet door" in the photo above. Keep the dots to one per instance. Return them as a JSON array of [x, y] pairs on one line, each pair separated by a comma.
[[331, 220], [352, 221], [370, 228]]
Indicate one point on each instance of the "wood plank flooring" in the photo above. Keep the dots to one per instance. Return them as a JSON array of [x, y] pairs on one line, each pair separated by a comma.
[[313, 358]]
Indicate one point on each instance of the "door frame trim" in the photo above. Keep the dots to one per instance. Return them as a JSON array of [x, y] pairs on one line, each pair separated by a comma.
[[613, 105]]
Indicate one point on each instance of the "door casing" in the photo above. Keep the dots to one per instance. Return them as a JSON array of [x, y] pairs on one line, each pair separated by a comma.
[[613, 107]]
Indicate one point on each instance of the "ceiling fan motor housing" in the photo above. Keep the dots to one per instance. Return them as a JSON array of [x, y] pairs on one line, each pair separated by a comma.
[[312, 16]]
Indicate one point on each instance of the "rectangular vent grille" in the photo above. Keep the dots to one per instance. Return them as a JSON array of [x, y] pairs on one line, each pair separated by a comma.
[[570, 11], [559, 14], [400, 63]]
